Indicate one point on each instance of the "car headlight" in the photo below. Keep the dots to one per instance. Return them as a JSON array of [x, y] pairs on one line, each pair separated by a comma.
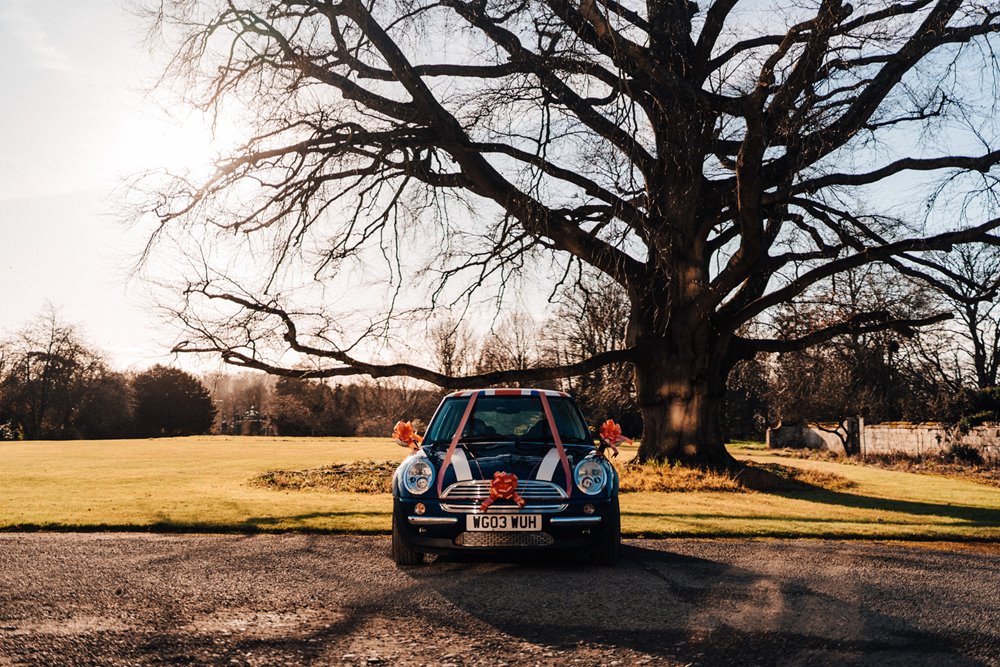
[[418, 476], [590, 476]]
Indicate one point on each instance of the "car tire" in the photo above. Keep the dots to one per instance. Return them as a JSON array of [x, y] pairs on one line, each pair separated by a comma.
[[607, 552], [402, 552]]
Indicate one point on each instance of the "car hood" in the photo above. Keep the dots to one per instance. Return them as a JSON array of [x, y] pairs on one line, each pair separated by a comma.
[[519, 459]]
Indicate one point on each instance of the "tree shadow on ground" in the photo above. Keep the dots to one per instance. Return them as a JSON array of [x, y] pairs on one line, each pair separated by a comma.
[[266, 521], [683, 608], [296, 523], [671, 602], [766, 481], [976, 516]]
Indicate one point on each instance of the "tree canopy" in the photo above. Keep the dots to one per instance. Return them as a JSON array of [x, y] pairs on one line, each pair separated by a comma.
[[55, 385], [715, 161], [169, 401]]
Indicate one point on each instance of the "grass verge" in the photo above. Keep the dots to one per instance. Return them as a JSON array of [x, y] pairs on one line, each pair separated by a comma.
[[204, 485]]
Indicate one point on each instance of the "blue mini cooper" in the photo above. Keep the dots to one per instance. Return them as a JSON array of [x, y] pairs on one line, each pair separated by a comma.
[[506, 470]]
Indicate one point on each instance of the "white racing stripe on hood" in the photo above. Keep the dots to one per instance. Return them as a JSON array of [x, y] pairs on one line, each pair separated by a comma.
[[461, 465], [547, 468]]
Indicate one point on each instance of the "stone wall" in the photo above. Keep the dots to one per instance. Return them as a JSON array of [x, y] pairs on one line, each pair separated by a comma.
[[890, 438], [904, 438]]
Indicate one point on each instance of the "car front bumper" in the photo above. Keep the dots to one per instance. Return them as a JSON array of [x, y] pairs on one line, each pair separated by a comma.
[[437, 531]]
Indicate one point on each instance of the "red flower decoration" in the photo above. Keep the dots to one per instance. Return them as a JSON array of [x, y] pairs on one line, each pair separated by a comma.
[[504, 485], [404, 434], [611, 437]]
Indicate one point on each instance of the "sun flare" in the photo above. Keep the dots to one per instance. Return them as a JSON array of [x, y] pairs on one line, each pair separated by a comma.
[[155, 140]]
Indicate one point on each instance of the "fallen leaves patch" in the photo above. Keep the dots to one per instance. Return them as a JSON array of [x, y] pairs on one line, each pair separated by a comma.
[[356, 477], [768, 477], [376, 477]]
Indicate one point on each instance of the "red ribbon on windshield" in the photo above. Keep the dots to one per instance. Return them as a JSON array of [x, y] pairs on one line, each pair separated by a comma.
[[558, 440], [455, 439]]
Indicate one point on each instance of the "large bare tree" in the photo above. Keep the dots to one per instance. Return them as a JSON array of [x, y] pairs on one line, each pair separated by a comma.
[[715, 161]]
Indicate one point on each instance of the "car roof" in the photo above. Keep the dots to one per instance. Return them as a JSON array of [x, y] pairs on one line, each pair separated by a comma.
[[504, 391]]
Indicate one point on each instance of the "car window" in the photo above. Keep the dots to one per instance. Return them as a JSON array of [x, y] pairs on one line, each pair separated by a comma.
[[518, 418]]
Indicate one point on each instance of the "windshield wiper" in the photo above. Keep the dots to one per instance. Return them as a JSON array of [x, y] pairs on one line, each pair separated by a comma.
[[549, 441], [470, 439]]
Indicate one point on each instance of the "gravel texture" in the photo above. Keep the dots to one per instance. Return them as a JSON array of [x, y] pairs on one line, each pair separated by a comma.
[[116, 599]]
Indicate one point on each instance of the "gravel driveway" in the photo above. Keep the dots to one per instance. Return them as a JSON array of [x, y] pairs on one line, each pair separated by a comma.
[[110, 599]]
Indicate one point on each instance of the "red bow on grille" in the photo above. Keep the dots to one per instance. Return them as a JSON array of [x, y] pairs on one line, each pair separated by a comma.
[[611, 437], [404, 434], [504, 485]]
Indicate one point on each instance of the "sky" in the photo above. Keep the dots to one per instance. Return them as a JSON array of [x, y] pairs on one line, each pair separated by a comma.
[[76, 121]]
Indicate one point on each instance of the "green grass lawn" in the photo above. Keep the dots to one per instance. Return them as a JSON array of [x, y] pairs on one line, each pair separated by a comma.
[[201, 483]]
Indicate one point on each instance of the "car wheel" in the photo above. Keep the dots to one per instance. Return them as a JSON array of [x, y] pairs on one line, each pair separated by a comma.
[[402, 552], [611, 541]]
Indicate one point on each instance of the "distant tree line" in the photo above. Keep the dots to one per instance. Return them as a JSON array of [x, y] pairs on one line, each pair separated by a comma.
[[293, 407], [946, 372], [54, 385], [585, 321]]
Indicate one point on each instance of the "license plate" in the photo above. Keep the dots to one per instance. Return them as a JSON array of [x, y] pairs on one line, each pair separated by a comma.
[[503, 522]]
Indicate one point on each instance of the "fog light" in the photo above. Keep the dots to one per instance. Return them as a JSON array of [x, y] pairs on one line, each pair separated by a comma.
[[420, 509], [588, 509]]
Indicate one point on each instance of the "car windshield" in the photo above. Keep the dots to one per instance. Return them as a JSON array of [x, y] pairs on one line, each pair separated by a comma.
[[508, 418]]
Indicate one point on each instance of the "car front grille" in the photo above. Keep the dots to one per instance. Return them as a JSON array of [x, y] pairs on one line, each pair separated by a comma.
[[541, 497], [503, 539]]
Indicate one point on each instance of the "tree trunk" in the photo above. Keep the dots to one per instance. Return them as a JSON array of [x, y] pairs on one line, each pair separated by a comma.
[[681, 393]]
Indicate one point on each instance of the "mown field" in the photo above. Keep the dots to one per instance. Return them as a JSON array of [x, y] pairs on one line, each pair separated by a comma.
[[203, 484]]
